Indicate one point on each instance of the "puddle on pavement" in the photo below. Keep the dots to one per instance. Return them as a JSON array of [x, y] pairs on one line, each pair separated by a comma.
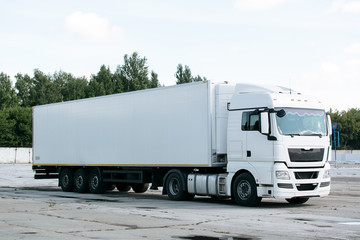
[[29, 233], [149, 208], [303, 219], [198, 237]]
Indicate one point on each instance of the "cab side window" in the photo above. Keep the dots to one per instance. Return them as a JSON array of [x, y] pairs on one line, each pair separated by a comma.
[[250, 121]]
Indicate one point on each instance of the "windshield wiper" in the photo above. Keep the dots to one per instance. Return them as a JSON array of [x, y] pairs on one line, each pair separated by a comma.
[[294, 134], [311, 133], [315, 134]]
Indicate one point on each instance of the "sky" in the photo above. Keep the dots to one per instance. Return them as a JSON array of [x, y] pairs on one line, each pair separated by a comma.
[[312, 47]]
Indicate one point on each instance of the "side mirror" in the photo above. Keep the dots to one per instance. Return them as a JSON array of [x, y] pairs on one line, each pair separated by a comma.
[[281, 113], [329, 124], [264, 118]]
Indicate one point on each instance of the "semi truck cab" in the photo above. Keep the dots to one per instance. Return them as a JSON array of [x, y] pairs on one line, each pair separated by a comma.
[[278, 145]]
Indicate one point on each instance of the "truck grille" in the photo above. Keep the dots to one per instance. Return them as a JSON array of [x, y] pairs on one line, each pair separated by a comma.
[[306, 187], [304, 155], [306, 175]]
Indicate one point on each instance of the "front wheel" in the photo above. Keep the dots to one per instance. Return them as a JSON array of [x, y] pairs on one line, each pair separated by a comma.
[[244, 190], [297, 200]]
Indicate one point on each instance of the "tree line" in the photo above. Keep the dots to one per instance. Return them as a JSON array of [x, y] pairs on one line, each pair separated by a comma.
[[16, 101], [348, 125]]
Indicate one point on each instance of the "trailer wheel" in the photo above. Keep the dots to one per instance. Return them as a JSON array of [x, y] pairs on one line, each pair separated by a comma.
[[96, 185], [140, 187], [175, 188], [123, 187], [244, 190], [297, 200], [81, 180], [66, 180]]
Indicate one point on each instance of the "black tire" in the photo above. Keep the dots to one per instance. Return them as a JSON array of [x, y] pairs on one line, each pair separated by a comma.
[[175, 188], [123, 187], [81, 181], [140, 187], [244, 190], [96, 185], [297, 200], [66, 180]]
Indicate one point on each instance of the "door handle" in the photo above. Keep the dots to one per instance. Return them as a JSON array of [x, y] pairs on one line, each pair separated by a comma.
[[248, 153]]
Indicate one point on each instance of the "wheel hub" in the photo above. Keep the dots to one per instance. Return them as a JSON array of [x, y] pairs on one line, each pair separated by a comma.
[[174, 187], [244, 190]]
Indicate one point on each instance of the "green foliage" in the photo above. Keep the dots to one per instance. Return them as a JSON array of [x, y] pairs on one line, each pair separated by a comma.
[[101, 83], [45, 90], [95, 88], [72, 88], [15, 127], [8, 97], [183, 75], [24, 86], [134, 73], [154, 81], [6, 126], [348, 123]]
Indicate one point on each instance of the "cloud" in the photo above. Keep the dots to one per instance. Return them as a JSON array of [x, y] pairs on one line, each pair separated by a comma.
[[90, 25], [353, 49], [257, 4], [345, 6]]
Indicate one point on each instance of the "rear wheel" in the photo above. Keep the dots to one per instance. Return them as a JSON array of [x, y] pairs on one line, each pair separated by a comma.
[[244, 190], [123, 187], [297, 200], [81, 181], [96, 185], [66, 180], [175, 188], [140, 187]]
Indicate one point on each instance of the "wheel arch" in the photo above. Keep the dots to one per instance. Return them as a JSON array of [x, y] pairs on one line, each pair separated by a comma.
[[238, 173], [241, 171], [237, 168]]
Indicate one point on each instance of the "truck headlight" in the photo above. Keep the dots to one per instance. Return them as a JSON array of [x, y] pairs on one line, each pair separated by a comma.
[[284, 175], [326, 174]]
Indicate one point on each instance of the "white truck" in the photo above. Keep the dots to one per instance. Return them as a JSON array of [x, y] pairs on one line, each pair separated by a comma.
[[241, 141]]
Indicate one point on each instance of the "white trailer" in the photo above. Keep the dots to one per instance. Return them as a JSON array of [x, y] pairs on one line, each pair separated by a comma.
[[241, 141]]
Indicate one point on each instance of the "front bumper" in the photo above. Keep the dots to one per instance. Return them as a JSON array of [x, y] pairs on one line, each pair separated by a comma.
[[302, 182]]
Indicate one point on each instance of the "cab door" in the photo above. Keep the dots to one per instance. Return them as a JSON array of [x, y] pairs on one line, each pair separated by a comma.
[[259, 150]]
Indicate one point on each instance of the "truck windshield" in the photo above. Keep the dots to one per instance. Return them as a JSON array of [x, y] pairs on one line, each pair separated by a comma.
[[302, 122]]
